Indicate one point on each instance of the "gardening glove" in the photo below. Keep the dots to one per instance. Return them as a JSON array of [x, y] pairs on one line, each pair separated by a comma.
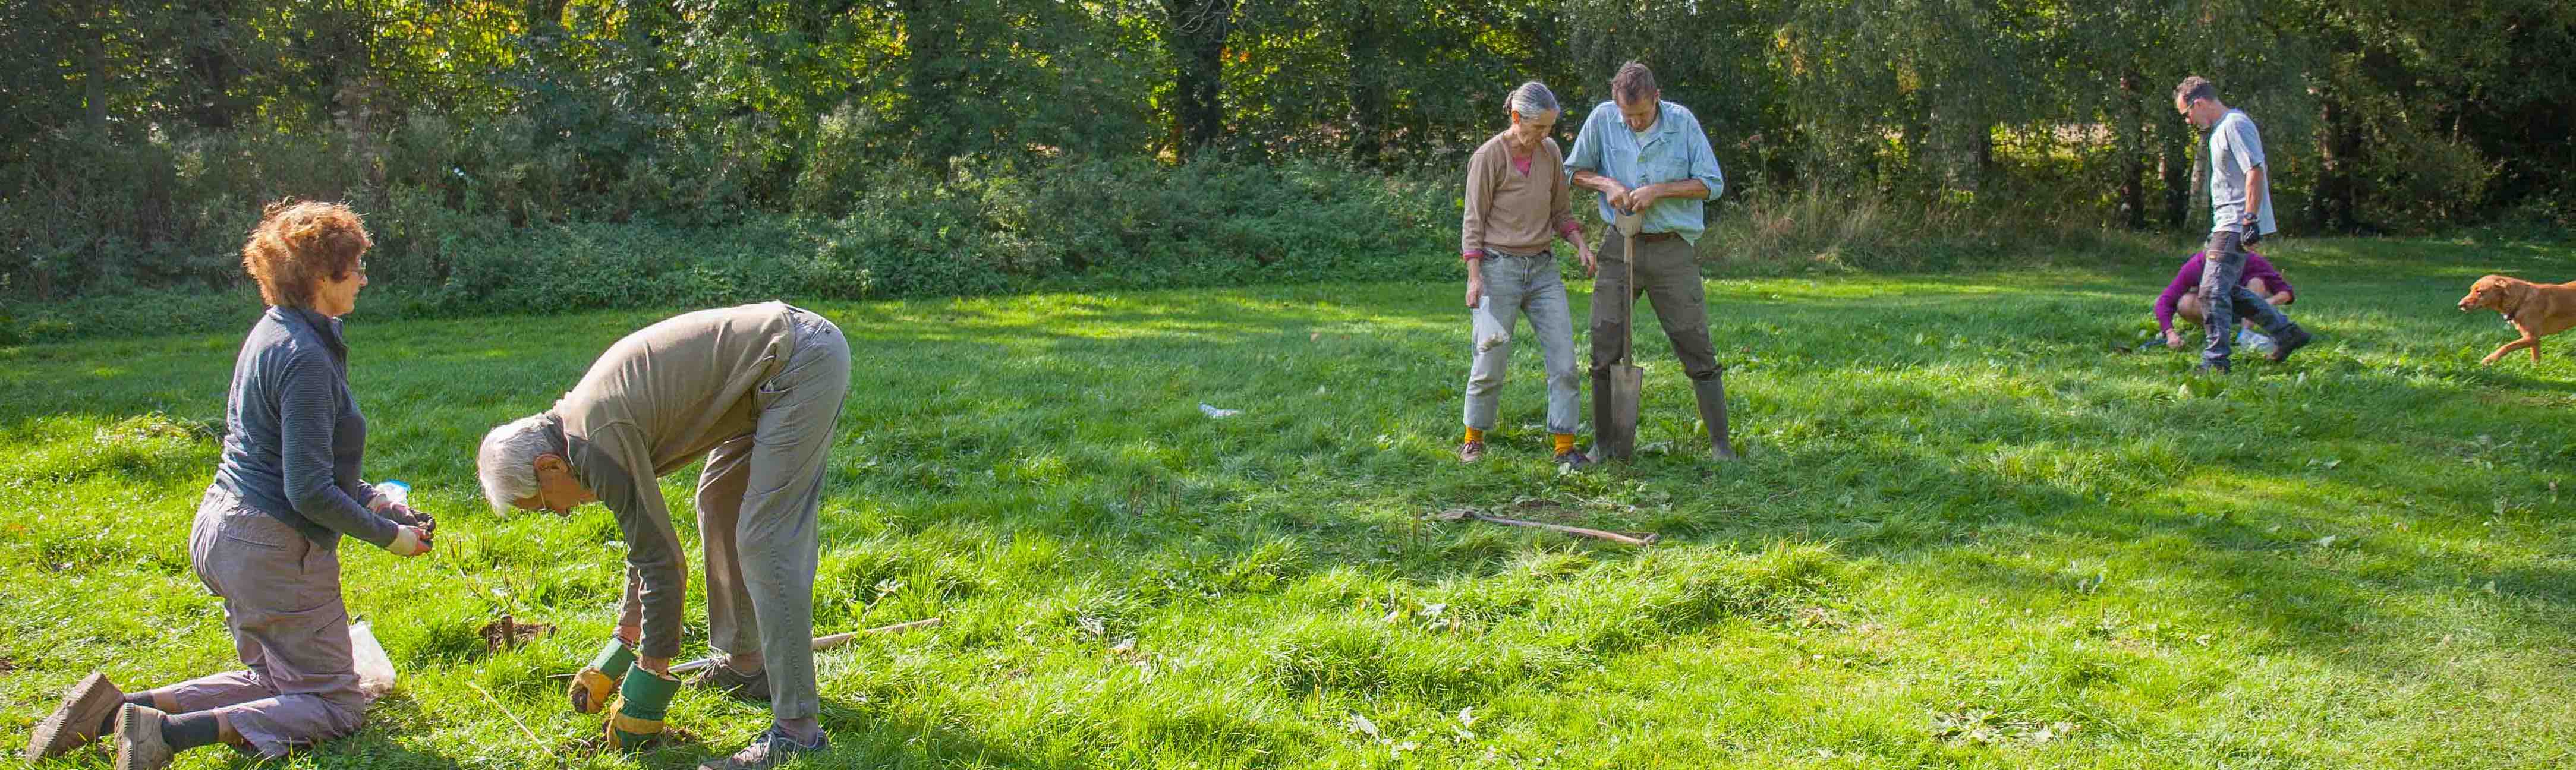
[[409, 541], [2253, 232], [590, 688], [641, 701], [407, 516]]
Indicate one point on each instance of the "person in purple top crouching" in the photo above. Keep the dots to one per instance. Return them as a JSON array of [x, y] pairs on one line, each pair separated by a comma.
[[2182, 297]]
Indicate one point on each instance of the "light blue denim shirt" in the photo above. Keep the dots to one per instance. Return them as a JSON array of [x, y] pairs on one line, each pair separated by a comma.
[[1674, 148]]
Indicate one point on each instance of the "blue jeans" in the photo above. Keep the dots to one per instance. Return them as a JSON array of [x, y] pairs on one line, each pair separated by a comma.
[[2224, 298], [1516, 285]]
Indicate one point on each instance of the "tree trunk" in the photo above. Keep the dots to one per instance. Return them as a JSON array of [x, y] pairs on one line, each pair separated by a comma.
[[2179, 173], [94, 59], [545, 17], [209, 61], [2338, 147], [1368, 86], [1198, 30], [931, 37], [2132, 147]]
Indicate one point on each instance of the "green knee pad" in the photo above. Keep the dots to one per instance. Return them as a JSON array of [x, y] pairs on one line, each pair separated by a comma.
[[641, 701], [590, 688]]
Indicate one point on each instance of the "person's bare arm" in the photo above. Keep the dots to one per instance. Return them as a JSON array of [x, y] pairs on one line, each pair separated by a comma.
[[2255, 194], [1597, 182], [1678, 188]]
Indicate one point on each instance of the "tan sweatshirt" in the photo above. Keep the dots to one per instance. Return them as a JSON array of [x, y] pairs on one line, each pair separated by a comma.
[[660, 399], [1512, 211]]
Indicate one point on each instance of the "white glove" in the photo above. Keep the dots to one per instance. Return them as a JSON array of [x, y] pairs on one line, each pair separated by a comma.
[[409, 541]]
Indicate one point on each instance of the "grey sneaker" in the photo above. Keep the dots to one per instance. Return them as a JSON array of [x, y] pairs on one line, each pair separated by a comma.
[[86, 705], [724, 679], [771, 749], [1471, 451], [1575, 458], [138, 739]]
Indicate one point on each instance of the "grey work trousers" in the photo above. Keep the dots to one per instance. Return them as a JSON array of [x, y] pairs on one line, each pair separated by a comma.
[[281, 595], [2224, 298], [1668, 276], [759, 504], [1516, 285]]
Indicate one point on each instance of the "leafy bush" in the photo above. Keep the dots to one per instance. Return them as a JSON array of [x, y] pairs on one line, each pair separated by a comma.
[[467, 243]]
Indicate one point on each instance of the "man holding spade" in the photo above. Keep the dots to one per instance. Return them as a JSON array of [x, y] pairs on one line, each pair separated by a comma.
[[1648, 158], [755, 390]]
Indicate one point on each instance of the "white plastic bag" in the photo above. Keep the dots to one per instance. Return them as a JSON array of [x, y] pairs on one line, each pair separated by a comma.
[[375, 669], [2253, 342]]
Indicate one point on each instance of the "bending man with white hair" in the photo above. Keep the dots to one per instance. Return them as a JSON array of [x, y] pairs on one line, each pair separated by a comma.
[[755, 390]]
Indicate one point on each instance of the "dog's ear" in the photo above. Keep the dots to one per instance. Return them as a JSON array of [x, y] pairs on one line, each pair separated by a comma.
[[2510, 295]]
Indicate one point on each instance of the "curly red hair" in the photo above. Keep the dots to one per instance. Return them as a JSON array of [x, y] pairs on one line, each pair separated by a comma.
[[299, 245]]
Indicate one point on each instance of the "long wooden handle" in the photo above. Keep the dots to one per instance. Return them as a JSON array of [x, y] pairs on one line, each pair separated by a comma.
[[1615, 537], [822, 643], [1628, 296]]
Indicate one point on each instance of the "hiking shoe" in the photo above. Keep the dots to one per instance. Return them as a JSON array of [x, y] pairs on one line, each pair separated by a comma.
[[1574, 458], [2210, 368], [2293, 339], [86, 705], [138, 739], [1471, 451], [771, 749], [724, 679]]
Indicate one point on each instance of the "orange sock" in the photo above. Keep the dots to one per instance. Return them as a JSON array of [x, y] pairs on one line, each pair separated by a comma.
[[1564, 442], [1475, 435]]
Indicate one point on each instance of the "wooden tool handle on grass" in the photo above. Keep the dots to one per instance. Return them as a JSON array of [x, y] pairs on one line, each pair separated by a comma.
[[1615, 537], [822, 643]]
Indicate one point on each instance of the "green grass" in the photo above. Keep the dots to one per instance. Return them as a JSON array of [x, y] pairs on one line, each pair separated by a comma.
[[1967, 534]]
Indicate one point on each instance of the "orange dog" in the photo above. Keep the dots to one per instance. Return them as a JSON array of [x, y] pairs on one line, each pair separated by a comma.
[[2535, 309]]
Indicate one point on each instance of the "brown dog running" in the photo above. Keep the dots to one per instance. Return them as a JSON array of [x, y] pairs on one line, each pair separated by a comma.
[[2535, 309]]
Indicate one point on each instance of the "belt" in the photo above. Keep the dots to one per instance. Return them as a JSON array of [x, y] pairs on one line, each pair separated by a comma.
[[1501, 253], [1656, 237]]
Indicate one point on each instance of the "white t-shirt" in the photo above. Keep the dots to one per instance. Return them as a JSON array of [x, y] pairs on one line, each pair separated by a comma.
[[2235, 150]]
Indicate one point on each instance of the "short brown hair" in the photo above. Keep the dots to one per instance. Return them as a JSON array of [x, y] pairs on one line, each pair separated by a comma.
[[1632, 82], [2195, 87], [297, 246]]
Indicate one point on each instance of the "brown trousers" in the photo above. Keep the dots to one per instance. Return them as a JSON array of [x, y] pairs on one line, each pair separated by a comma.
[[1668, 277]]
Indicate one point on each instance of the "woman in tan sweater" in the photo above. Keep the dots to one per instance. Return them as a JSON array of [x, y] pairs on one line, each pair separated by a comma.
[[1517, 206]]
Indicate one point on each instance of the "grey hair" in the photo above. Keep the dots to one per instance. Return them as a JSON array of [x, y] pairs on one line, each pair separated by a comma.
[[508, 460], [2195, 87], [1532, 100]]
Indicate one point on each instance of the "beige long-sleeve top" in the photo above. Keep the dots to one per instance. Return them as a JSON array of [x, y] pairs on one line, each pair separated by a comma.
[[659, 399], [1512, 210]]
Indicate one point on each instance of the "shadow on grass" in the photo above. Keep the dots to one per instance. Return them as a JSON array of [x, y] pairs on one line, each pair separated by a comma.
[[1935, 432]]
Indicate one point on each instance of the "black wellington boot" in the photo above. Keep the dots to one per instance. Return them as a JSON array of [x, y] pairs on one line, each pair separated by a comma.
[[1712, 410]]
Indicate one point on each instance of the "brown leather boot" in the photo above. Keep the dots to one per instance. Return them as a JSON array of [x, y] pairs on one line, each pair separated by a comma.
[[86, 704]]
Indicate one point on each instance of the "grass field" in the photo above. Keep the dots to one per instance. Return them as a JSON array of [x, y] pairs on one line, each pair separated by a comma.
[[1968, 533]]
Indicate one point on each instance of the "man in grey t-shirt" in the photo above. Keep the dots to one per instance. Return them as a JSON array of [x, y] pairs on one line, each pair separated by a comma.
[[2240, 199]]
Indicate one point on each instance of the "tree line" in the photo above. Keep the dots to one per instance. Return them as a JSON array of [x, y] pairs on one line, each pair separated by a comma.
[[141, 135]]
